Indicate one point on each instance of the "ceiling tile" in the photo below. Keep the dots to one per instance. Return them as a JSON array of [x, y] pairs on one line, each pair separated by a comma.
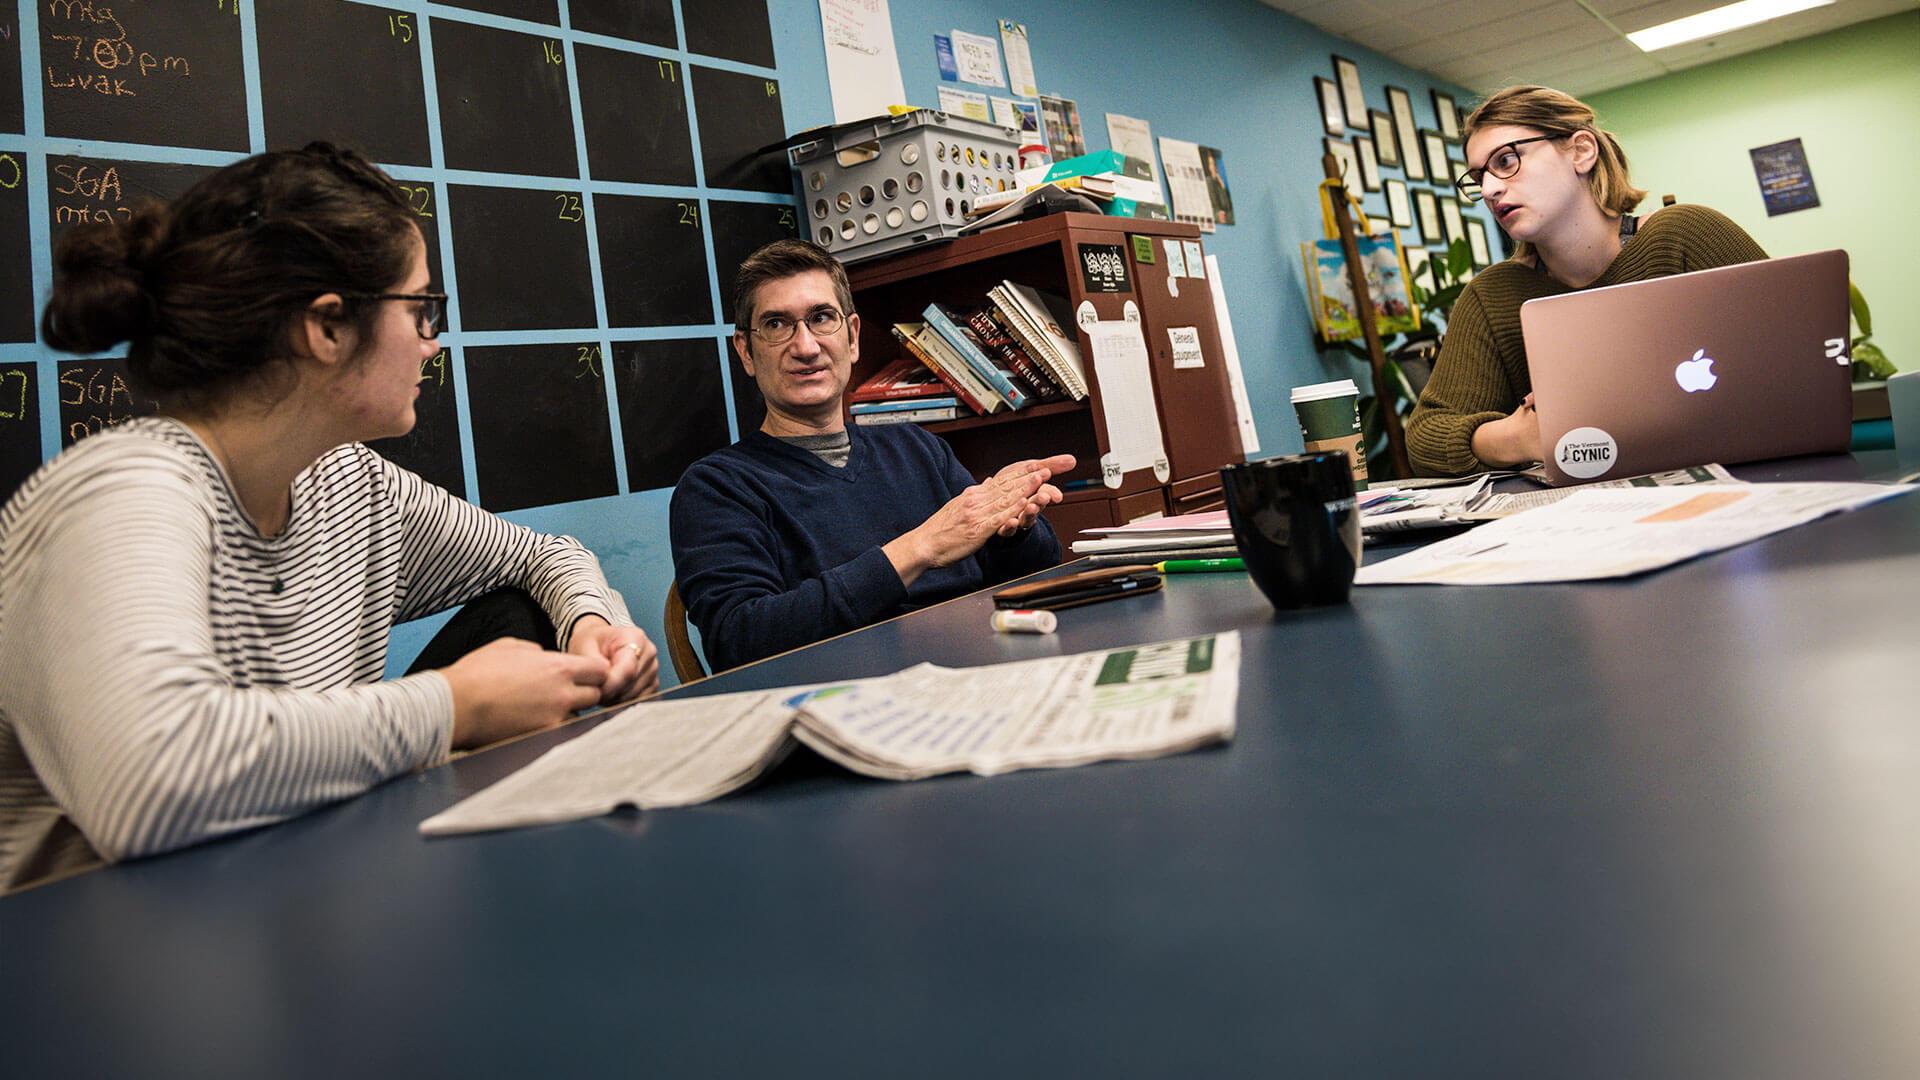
[[1342, 16], [1391, 35]]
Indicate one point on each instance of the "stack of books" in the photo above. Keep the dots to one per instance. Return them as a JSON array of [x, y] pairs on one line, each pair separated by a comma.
[[1119, 185], [1008, 353], [1206, 535], [904, 392]]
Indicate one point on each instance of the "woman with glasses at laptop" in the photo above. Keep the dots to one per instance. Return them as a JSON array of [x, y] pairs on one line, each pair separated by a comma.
[[194, 606], [1559, 186]]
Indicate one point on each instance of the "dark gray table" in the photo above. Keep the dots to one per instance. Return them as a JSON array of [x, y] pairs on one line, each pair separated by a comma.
[[1660, 827]]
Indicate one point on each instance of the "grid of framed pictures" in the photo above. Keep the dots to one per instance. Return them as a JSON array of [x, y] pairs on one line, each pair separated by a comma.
[[1371, 143]]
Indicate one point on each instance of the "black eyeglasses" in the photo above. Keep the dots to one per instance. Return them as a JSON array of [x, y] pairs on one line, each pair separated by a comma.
[[779, 329], [429, 322], [1503, 163]]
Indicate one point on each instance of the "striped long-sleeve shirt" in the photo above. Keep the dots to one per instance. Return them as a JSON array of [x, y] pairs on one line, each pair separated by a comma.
[[169, 675]]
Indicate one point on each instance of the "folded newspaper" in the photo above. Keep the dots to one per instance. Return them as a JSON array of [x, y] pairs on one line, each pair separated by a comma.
[[1141, 701]]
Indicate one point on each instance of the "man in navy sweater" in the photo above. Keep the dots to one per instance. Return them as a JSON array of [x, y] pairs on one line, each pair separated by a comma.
[[809, 528]]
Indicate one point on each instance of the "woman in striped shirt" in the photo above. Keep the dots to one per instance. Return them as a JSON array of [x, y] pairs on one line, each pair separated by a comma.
[[194, 607]]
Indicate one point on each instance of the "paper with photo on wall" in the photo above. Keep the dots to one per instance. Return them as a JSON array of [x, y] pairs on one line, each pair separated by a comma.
[[1013, 37], [863, 70], [1133, 137], [1230, 355], [1138, 701], [1006, 111], [1186, 181], [1065, 139], [1029, 114], [1615, 532], [967, 103], [1214, 164], [1123, 371], [978, 58]]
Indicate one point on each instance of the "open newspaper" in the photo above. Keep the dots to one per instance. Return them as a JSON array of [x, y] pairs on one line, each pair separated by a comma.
[[1614, 532], [1136, 702]]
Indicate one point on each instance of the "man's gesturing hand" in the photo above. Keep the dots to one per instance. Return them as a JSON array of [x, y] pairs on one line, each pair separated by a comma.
[[1002, 505]]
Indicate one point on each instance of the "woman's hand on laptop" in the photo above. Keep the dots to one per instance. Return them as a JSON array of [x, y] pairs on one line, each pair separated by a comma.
[[1510, 440]]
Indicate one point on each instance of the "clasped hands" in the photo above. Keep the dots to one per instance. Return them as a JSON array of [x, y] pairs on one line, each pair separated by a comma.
[[510, 686], [1001, 505]]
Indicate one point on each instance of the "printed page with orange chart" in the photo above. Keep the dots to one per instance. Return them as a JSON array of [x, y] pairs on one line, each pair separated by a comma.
[[1617, 532]]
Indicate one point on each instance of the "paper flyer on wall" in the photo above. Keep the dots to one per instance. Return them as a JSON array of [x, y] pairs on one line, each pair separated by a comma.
[[1065, 138], [1138, 701], [1124, 374], [863, 71], [1230, 350], [965, 103], [977, 56], [1187, 183], [1133, 137], [1615, 532], [1013, 37]]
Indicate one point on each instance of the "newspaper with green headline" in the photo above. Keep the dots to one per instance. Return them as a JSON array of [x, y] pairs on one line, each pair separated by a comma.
[[1139, 701]]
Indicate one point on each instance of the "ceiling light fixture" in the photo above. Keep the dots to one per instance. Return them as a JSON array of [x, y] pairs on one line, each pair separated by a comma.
[[1717, 21]]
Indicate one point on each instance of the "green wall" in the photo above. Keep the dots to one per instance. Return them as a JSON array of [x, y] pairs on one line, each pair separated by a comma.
[[1853, 99]]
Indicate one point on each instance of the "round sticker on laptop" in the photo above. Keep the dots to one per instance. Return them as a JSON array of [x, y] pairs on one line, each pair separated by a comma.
[[1586, 452]]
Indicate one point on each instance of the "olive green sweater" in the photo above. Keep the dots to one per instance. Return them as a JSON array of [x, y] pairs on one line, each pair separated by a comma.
[[1482, 375]]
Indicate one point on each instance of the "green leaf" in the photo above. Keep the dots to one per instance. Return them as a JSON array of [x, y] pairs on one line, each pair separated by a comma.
[[1859, 304], [1459, 258], [1400, 381], [1444, 299], [1869, 356]]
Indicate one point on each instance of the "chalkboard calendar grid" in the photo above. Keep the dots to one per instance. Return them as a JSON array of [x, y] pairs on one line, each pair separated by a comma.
[[582, 169]]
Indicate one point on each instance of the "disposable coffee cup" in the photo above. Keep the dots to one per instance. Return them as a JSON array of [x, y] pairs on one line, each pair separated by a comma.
[[1297, 525], [1330, 420]]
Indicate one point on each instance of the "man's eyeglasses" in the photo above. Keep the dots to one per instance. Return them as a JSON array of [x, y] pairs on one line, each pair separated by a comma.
[[1503, 163], [429, 321], [779, 329]]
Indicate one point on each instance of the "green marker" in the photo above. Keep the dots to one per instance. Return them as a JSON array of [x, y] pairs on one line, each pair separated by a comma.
[[1198, 566]]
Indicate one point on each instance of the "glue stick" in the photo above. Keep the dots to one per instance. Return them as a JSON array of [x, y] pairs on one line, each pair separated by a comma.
[[1024, 621]]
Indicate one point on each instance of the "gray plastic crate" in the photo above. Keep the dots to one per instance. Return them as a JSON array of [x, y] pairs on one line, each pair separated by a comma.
[[882, 185]]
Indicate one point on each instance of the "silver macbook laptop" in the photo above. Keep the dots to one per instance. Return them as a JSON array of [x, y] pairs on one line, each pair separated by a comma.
[[1727, 365]]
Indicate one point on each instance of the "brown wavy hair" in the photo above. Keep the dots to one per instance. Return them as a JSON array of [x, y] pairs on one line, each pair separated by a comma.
[[1551, 112]]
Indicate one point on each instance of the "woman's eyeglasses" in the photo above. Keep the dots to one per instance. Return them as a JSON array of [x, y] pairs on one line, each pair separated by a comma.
[[429, 320], [1503, 163], [778, 329]]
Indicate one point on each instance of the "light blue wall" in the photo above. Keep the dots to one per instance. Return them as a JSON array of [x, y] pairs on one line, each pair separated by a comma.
[[1232, 74]]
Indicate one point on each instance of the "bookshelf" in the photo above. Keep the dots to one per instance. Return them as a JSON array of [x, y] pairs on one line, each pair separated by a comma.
[[1195, 403]]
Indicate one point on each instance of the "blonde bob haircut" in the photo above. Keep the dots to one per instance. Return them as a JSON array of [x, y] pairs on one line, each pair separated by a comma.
[[1551, 112]]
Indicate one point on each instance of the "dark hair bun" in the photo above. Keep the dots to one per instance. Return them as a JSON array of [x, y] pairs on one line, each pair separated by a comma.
[[100, 293]]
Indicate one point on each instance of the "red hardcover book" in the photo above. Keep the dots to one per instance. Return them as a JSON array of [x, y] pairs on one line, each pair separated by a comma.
[[906, 377], [1000, 344]]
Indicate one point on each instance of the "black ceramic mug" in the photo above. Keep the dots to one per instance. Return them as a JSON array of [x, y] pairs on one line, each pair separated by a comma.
[[1297, 527]]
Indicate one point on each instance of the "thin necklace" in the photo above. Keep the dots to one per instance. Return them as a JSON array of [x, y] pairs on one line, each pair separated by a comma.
[[225, 461], [1629, 224]]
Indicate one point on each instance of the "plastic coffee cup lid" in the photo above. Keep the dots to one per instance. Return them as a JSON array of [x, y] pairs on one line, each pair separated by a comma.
[[1322, 391]]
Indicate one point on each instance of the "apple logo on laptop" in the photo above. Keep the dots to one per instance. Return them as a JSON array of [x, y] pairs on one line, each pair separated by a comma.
[[1696, 374]]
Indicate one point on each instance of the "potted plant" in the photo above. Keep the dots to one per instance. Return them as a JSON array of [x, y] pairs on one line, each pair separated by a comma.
[[1410, 356]]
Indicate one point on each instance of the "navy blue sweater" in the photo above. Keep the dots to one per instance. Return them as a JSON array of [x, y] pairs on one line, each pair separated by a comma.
[[774, 549]]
